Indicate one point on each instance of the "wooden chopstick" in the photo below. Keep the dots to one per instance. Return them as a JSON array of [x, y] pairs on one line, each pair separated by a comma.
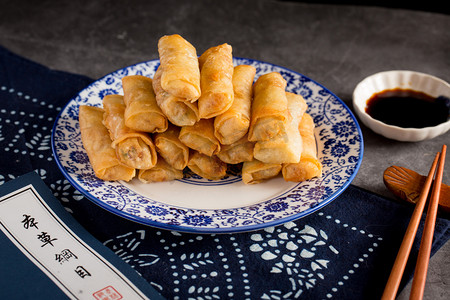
[[395, 277], [423, 258]]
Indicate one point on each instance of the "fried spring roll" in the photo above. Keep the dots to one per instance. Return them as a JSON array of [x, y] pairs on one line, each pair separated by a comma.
[[179, 111], [201, 137], [309, 165], [233, 124], [285, 148], [169, 146], [181, 76], [256, 171], [239, 151], [97, 143], [208, 167], [162, 171], [142, 113], [216, 81], [133, 148], [269, 107]]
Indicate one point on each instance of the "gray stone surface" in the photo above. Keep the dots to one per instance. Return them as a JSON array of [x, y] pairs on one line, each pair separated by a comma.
[[336, 45]]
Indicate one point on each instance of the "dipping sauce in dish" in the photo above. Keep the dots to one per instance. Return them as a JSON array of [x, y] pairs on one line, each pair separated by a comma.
[[408, 108]]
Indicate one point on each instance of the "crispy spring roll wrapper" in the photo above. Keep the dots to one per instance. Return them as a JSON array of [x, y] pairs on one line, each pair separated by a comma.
[[162, 171], [208, 167], [142, 113], [169, 146], [201, 137], [216, 81], [181, 76], [285, 148], [256, 171], [269, 107], [233, 124], [238, 152], [133, 148], [309, 165], [179, 111], [97, 143]]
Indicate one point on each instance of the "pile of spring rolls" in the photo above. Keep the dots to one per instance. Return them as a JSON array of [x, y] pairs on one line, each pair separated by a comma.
[[201, 113]]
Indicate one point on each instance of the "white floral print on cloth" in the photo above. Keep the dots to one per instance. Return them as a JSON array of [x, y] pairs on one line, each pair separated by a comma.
[[26, 134], [22, 123], [283, 262], [299, 257]]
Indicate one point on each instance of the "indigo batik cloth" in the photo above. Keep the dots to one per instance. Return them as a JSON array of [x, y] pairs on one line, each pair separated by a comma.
[[343, 251]]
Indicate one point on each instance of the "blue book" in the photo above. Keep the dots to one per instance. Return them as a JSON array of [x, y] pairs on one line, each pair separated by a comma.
[[46, 254]]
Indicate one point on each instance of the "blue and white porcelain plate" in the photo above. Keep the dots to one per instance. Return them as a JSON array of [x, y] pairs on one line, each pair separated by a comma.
[[197, 205]]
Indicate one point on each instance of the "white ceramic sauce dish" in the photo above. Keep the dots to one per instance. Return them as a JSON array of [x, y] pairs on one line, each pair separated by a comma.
[[401, 79]]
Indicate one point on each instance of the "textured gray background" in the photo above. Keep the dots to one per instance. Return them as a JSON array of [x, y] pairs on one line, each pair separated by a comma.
[[335, 45]]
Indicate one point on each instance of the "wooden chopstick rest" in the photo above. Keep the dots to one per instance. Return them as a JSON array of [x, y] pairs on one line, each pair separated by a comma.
[[407, 185]]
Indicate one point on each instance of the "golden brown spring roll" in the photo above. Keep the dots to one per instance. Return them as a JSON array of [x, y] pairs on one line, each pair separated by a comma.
[[269, 107], [142, 113], [216, 81], [162, 171], [133, 148], [256, 171], [309, 165], [201, 137], [97, 143], [239, 151], [179, 111], [169, 146], [285, 148], [233, 124], [208, 167], [181, 76]]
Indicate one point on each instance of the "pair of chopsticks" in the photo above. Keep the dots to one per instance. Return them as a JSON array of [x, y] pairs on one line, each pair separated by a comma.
[[420, 274]]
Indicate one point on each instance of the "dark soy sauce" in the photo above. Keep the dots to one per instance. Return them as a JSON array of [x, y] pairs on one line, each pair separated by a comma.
[[407, 108]]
